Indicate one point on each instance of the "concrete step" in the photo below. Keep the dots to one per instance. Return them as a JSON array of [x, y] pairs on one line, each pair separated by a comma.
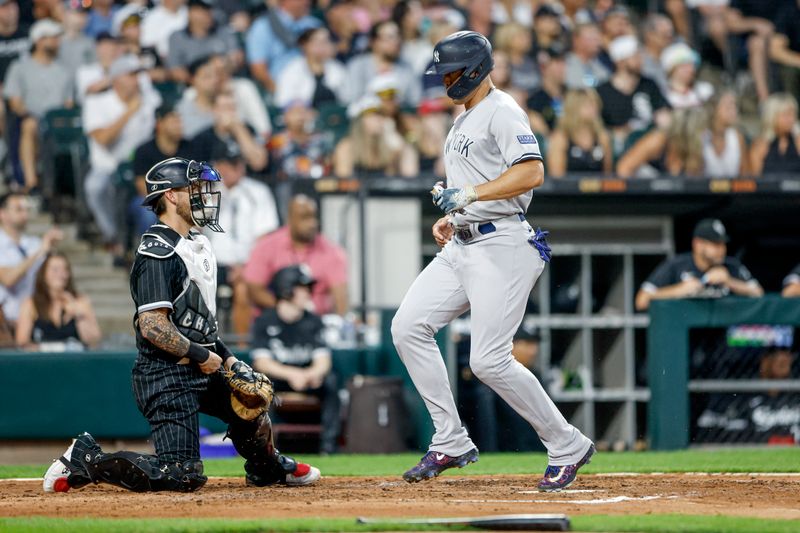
[[112, 300], [112, 326]]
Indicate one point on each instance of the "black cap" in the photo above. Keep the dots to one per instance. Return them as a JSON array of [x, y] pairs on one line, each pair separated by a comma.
[[546, 10], [222, 151], [104, 36], [206, 4], [526, 332], [166, 108], [711, 229]]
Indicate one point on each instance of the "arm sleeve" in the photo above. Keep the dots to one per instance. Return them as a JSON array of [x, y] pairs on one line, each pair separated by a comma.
[[337, 267], [657, 97], [512, 132], [12, 84], [257, 41], [140, 167], [153, 282], [319, 348], [260, 341], [741, 272], [793, 277], [175, 50], [661, 277], [265, 218]]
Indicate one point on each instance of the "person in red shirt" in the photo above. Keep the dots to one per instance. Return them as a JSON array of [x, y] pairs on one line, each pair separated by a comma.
[[299, 242]]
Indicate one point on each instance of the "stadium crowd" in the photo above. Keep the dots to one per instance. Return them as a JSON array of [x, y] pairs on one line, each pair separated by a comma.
[[270, 91]]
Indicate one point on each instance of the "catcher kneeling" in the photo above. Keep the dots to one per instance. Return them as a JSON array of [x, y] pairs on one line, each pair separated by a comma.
[[183, 368]]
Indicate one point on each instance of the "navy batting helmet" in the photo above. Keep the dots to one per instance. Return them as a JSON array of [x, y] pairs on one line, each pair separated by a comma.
[[286, 279], [464, 50], [176, 173]]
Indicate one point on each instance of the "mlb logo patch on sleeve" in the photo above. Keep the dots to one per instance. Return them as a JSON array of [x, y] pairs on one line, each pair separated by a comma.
[[526, 139]]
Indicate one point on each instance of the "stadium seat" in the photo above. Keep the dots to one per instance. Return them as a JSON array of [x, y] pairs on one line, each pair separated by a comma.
[[333, 118], [65, 153]]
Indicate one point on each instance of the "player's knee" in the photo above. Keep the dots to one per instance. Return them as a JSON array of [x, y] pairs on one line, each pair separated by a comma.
[[405, 328], [482, 369]]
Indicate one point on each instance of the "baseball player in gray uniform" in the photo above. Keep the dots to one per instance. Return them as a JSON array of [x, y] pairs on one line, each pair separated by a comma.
[[489, 262]]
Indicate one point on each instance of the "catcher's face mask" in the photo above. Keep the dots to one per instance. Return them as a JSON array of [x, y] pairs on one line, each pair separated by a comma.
[[204, 198]]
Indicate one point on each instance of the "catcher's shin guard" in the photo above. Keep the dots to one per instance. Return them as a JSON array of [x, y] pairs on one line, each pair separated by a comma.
[[264, 465], [144, 473]]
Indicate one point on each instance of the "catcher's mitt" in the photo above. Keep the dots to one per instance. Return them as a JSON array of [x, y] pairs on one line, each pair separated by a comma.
[[251, 391]]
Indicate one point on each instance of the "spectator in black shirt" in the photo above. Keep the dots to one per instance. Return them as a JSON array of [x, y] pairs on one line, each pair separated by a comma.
[[288, 347], [705, 272], [785, 46], [229, 129], [546, 103], [777, 148], [13, 37], [166, 143], [580, 143], [791, 284], [631, 102]]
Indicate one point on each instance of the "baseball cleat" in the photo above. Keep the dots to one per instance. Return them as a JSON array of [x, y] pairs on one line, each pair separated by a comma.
[[434, 463], [68, 471], [557, 478], [304, 475]]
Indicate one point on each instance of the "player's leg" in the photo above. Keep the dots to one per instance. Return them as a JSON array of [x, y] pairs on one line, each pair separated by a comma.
[[253, 439], [433, 300], [167, 395], [85, 462], [501, 274]]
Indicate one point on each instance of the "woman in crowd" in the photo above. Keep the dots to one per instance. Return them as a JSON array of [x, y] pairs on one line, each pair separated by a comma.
[[580, 142], [501, 77], [684, 91], [516, 41], [416, 49], [373, 147], [724, 146], [677, 151], [56, 313], [777, 149]]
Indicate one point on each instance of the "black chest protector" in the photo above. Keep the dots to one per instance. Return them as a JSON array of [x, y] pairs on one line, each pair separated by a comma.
[[194, 308]]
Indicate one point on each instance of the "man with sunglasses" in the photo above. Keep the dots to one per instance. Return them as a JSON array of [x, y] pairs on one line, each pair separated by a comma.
[[176, 375]]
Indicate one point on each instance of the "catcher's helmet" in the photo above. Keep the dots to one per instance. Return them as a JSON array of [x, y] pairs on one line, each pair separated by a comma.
[[176, 173], [286, 279], [467, 50]]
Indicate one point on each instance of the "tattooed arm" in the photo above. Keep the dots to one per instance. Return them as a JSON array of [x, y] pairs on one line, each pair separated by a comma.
[[157, 328]]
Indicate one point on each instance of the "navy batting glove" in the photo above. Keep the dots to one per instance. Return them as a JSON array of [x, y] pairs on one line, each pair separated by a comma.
[[539, 241], [455, 200]]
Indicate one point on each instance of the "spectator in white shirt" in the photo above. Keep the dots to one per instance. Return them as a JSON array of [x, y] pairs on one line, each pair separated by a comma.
[[247, 212], [161, 22], [314, 77], [21, 255], [116, 122], [93, 78]]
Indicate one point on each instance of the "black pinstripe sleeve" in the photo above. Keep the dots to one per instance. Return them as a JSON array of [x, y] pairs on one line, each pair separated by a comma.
[[156, 283]]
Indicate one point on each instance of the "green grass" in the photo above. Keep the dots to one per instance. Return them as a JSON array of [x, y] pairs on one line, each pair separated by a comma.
[[726, 460], [640, 523]]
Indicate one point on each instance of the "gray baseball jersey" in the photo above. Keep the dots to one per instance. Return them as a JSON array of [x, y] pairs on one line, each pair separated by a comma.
[[483, 143]]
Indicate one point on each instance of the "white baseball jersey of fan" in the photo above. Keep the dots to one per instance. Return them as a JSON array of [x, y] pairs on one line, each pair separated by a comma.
[[490, 269], [482, 144]]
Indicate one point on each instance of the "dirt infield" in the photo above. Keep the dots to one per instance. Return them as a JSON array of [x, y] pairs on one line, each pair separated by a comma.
[[767, 496]]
